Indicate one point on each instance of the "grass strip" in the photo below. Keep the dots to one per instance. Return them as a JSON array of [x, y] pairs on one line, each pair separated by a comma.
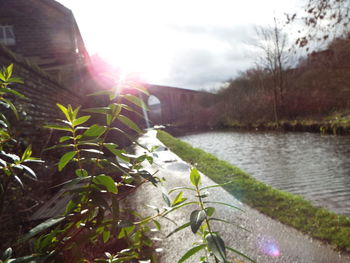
[[337, 125], [290, 209]]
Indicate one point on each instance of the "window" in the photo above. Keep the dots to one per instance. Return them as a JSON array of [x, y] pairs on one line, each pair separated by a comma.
[[7, 37]]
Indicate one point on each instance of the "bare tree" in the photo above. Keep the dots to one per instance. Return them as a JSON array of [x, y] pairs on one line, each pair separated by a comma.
[[324, 20], [272, 43]]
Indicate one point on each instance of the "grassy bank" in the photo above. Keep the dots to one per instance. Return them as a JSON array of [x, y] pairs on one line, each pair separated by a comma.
[[338, 123], [285, 207]]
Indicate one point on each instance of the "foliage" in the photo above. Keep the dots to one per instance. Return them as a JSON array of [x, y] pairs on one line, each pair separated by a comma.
[[317, 87], [285, 207], [93, 213], [200, 223], [13, 164], [100, 176], [324, 20]]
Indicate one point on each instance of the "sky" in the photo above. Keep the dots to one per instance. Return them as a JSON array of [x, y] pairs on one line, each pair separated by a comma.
[[195, 44]]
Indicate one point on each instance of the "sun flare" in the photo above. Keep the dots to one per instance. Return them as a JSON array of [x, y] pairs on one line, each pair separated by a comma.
[[154, 39]]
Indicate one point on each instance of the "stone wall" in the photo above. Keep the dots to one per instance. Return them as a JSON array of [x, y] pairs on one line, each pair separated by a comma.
[[42, 93]]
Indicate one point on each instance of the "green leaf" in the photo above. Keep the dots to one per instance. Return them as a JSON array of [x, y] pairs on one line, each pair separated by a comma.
[[75, 113], [2, 77], [178, 199], [191, 252], [80, 120], [107, 182], [65, 138], [132, 125], [109, 119], [221, 203], [41, 227], [166, 199], [135, 100], [150, 159], [27, 153], [119, 153], [9, 70], [217, 246], [19, 181], [14, 157], [196, 218], [81, 173], [4, 135], [15, 80], [142, 89], [115, 109], [29, 171], [7, 254], [12, 107], [209, 211], [101, 110], [178, 229], [106, 235], [65, 111], [95, 131], [65, 159], [92, 151], [58, 127], [195, 177], [14, 92], [111, 147], [125, 231], [157, 224], [149, 177]]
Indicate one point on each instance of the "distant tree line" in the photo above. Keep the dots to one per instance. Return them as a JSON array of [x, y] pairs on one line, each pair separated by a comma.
[[272, 91]]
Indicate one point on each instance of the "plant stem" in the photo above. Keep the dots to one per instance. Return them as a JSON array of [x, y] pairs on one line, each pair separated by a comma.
[[206, 218]]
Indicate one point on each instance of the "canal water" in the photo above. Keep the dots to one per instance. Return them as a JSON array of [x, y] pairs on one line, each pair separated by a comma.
[[314, 166]]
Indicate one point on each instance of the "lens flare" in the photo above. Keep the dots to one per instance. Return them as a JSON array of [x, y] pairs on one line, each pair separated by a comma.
[[268, 246]]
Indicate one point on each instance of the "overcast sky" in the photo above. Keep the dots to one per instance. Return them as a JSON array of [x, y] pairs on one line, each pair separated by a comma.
[[195, 44]]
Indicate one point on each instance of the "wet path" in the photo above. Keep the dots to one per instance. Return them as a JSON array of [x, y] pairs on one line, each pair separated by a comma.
[[268, 241]]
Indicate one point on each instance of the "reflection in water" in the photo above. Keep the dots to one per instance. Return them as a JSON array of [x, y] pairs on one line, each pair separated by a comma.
[[313, 166]]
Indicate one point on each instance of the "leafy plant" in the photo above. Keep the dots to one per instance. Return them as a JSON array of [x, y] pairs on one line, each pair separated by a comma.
[[100, 176], [200, 223], [13, 165], [101, 179]]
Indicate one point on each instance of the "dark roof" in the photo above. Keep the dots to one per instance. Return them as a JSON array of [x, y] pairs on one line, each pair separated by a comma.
[[57, 6], [69, 12]]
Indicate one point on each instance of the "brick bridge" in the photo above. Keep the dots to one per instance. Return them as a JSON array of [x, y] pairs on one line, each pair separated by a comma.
[[175, 105]]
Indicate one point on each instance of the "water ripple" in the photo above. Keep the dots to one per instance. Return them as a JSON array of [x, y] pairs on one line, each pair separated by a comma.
[[313, 166]]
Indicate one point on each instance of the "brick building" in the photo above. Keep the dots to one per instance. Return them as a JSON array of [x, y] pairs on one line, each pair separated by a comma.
[[46, 32]]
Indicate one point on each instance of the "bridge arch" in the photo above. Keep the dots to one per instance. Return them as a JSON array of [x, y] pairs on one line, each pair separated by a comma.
[[171, 105], [154, 110]]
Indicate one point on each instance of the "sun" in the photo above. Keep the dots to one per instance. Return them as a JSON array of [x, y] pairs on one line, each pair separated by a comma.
[[126, 36]]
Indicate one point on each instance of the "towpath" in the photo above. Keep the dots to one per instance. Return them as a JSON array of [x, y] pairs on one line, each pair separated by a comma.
[[268, 240]]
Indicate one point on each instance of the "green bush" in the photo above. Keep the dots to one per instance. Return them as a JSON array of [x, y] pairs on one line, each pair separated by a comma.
[[101, 175]]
